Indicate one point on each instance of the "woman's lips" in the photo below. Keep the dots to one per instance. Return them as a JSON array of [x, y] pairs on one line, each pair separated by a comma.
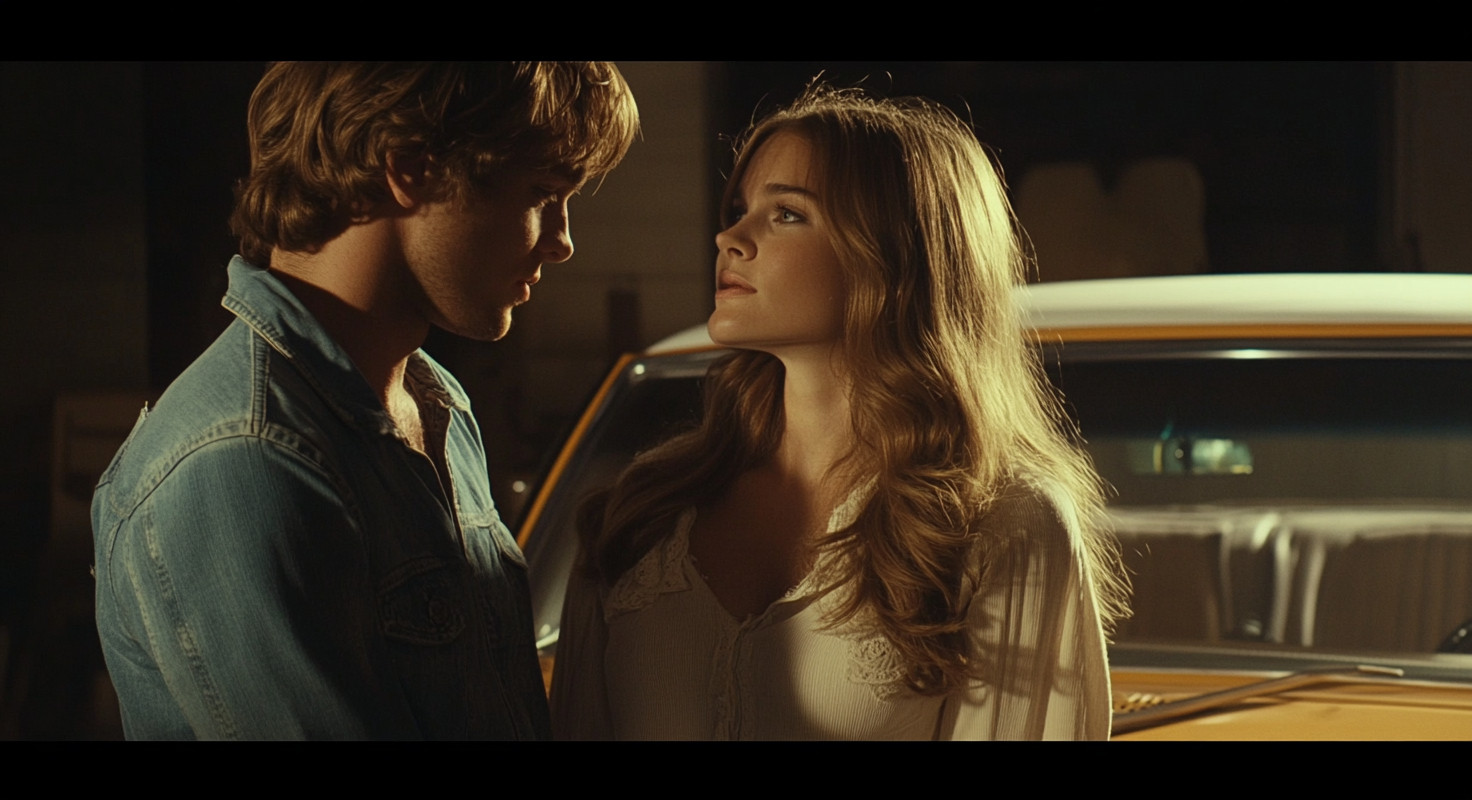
[[729, 284]]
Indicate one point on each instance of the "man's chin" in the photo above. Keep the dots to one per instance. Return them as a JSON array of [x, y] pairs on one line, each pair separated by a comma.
[[488, 331], [496, 334]]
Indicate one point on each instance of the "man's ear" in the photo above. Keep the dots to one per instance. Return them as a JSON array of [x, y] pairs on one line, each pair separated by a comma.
[[409, 177]]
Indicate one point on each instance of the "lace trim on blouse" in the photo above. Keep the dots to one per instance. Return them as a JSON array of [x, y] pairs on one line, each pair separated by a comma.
[[660, 571], [872, 660]]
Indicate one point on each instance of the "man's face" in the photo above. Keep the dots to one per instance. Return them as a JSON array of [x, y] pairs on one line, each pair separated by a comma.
[[476, 259]]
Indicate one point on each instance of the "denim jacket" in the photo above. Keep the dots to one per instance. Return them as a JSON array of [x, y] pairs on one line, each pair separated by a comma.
[[273, 561]]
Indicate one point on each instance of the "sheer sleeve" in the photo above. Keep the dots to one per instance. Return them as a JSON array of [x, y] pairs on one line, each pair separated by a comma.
[[1035, 624], [579, 690]]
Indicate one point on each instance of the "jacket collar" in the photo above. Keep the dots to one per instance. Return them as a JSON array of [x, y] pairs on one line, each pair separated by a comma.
[[264, 303]]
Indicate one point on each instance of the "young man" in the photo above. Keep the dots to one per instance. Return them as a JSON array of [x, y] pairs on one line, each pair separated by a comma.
[[299, 540]]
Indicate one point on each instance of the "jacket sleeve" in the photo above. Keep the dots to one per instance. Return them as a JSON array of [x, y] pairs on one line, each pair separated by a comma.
[[243, 578], [579, 688], [1035, 624]]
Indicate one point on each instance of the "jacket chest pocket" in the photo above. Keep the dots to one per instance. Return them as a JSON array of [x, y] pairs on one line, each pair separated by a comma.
[[424, 602]]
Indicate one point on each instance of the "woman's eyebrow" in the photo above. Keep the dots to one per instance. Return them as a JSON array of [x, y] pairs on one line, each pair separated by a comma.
[[784, 188]]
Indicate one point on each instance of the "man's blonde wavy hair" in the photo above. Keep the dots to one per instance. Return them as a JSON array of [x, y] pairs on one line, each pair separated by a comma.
[[320, 134], [950, 408]]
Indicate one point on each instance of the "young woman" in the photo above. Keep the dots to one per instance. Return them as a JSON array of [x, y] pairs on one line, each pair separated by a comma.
[[878, 530]]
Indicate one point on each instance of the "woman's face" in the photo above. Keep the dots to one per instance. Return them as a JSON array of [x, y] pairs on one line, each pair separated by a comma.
[[779, 286]]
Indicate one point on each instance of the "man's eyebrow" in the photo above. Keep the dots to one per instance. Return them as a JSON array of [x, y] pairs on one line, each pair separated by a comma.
[[575, 177]]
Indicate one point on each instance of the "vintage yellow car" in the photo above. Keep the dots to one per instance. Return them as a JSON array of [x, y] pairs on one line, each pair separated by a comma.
[[1291, 457]]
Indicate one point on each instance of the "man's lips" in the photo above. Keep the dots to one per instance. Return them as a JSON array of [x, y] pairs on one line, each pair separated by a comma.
[[526, 286]]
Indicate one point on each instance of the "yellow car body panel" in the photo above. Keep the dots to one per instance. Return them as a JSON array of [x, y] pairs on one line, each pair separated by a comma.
[[1354, 710]]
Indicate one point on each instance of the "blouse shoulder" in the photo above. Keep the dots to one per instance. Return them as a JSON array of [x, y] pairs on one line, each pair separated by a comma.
[[660, 571], [1035, 503], [1037, 514]]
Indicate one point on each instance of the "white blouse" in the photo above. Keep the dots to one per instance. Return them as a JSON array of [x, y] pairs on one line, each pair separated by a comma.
[[660, 658]]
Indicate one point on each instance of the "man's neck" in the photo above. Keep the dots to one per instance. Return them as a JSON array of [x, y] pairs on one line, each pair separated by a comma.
[[356, 288]]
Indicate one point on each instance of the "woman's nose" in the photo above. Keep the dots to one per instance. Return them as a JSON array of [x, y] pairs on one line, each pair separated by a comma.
[[732, 241]]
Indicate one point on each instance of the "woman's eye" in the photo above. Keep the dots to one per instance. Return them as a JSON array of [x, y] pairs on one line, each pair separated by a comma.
[[788, 215]]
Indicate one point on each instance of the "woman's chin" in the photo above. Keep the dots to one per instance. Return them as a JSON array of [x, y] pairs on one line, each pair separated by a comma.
[[722, 331]]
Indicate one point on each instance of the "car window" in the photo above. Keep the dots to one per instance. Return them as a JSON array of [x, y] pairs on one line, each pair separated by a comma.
[[1288, 497], [1304, 429]]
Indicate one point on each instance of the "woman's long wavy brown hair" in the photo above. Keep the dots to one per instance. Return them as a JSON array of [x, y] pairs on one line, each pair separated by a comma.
[[949, 404]]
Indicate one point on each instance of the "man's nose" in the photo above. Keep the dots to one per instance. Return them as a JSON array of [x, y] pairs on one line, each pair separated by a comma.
[[556, 243]]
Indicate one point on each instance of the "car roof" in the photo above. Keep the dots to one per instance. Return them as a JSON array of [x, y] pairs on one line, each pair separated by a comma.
[[1277, 305], [1335, 304]]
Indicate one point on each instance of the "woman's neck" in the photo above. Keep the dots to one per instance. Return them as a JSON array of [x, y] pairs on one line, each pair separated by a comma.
[[818, 432]]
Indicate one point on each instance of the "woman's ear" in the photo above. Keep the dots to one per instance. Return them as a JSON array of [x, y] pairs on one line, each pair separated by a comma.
[[408, 179]]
